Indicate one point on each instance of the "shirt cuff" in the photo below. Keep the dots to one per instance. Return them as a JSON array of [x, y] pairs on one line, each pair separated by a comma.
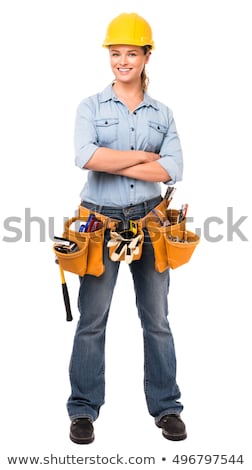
[[84, 155], [172, 169]]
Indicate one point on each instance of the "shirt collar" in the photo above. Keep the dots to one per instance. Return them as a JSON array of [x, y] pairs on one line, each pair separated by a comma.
[[108, 95]]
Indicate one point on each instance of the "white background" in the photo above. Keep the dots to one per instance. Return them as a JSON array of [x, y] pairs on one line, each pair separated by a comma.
[[51, 58]]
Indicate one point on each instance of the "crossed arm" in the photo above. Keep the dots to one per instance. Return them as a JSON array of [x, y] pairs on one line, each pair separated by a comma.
[[135, 164]]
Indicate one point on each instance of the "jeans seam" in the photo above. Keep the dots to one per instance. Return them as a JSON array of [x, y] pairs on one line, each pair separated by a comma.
[[171, 411], [79, 416], [145, 370]]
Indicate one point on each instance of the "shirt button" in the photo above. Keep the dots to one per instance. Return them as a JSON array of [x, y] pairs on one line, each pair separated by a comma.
[[132, 148], [134, 112], [132, 185], [132, 129]]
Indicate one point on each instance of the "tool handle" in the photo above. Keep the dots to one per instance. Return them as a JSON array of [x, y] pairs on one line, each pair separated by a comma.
[[69, 222], [67, 302]]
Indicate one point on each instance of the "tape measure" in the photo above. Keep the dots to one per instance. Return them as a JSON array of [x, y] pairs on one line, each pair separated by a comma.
[[127, 228]]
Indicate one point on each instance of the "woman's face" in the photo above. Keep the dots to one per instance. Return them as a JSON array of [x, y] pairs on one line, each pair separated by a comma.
[[127, 62]]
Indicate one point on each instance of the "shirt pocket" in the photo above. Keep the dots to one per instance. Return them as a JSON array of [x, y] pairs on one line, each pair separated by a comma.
[[156, 135], [107, 131]]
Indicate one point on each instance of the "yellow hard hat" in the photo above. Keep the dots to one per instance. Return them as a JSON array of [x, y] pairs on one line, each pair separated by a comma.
[[129, 28]]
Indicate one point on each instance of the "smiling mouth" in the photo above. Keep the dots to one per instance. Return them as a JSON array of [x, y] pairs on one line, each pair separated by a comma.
[[123, 70]]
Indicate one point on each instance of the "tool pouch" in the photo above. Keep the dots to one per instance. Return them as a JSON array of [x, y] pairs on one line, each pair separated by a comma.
[[89, 257], [125, 249], [74, 262], [180, 251], [173, 245]]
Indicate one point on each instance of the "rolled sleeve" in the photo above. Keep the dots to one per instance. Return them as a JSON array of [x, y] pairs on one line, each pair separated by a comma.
[[171, 152], [85, 138]]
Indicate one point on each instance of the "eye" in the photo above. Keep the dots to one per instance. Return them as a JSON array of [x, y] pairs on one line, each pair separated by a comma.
[[132, 54]]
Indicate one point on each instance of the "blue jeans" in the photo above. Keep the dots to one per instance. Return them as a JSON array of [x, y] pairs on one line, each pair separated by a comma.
[[95, 294]]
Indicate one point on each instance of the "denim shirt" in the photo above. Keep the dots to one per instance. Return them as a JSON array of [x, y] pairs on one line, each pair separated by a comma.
[[103, 120]]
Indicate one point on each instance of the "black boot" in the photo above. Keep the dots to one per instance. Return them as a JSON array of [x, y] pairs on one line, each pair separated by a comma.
[[173, 427], [82, 431]]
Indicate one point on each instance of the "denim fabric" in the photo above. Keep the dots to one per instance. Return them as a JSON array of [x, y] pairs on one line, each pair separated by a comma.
[[87, 367]]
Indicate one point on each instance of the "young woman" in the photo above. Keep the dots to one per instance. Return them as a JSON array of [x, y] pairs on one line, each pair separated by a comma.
[[129, 144]]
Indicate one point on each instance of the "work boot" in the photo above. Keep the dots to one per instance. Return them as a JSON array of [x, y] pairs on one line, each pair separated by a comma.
[[82, 431], [173, 427]]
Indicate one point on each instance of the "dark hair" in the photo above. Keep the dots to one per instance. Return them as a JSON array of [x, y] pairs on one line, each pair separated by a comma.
[[144, 78]]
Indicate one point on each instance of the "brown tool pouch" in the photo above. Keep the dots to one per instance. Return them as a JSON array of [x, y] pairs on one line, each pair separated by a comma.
[[173, 245], [179, 251], [95, 265], [89, 257]]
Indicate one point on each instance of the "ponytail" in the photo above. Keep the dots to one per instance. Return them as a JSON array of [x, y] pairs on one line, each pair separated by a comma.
[[144, 78]]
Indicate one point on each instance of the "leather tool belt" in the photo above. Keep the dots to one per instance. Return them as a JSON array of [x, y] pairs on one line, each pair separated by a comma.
[[172, 243]]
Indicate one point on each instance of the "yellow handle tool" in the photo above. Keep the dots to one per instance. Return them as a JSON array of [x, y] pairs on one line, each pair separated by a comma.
[[65, 295]]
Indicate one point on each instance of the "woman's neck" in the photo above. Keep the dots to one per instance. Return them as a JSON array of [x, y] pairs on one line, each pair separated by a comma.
[[131, 95]]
